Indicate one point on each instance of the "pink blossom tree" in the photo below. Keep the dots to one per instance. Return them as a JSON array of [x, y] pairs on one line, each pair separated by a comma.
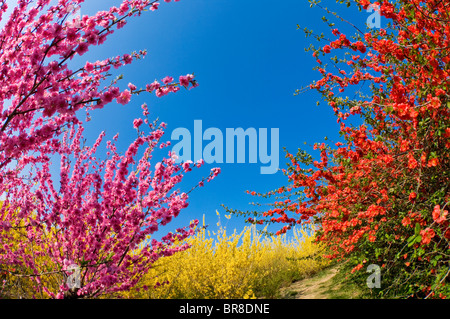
[[102, 209]]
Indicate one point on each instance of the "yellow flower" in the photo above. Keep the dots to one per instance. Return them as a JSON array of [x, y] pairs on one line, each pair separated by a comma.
[[240, 266]]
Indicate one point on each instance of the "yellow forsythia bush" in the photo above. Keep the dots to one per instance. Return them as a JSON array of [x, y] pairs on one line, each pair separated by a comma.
[[237, 265], [18, 282]]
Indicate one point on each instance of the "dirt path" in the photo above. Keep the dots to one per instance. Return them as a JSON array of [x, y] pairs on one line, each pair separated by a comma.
[[316, 287]]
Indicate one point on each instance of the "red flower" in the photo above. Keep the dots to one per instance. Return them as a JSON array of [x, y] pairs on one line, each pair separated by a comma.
[[438, 215], [360, 46], [427, 235], [433, 162], [406, 221]]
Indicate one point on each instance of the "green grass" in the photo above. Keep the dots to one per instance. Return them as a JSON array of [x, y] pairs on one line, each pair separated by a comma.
[[345, 286]]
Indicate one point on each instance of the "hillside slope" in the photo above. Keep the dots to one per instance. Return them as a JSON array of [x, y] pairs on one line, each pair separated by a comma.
[[329, 283]]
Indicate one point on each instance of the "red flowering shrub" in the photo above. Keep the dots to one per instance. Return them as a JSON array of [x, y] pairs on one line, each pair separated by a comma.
[[382, 195]]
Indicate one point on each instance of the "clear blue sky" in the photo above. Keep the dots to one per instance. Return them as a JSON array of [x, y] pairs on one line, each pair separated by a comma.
[[248, 58]]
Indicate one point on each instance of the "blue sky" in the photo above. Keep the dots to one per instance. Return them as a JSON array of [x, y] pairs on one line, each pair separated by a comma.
[[248, 58]]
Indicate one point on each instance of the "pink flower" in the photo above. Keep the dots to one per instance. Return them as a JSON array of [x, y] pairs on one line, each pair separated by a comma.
[[214, 172], [124, 7], [107, 97], [124, 97], [153, 86], [167, 80], [127, 58], [162, 91], [121, 24], [159, 93], [137, 123], [145, 111], [92, 38], [89, 67], [200, 162], [131, 86], [174, 89], [186, 79], [82, 48], [186, 166], [194, 84], [72, 35]]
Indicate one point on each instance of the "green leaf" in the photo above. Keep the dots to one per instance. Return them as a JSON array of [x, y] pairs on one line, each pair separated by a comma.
[[417, 229], [411, 240]]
